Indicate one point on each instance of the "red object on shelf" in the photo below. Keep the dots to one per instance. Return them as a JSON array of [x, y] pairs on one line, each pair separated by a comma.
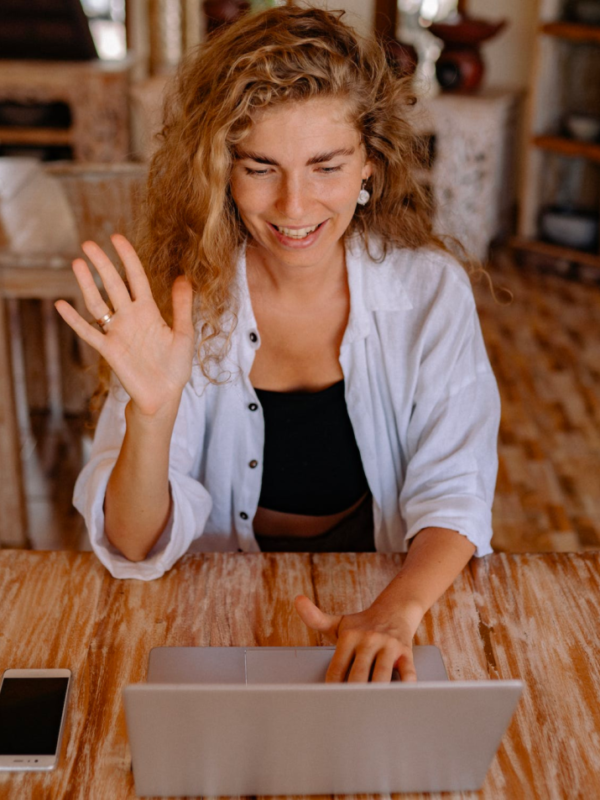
[[466, 31], [460, 67]]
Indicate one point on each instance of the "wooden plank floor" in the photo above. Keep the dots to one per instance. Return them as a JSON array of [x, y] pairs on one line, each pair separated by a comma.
[[545, 350]]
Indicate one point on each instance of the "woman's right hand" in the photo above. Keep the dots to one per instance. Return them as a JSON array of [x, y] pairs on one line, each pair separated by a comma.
[[152, 360]]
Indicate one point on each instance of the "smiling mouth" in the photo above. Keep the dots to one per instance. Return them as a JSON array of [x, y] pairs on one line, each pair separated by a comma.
[[298, 233]]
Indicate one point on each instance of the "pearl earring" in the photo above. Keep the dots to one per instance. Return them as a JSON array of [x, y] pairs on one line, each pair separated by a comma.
[[363, 195]]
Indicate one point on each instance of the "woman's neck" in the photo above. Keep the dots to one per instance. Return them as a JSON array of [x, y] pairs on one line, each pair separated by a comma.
[[302, 283]]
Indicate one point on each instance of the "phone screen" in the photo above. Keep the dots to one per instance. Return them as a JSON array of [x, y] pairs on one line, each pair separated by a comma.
[[30, 715]]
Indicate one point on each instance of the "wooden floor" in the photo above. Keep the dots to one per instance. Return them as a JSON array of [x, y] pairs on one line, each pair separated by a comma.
[[545, 350]]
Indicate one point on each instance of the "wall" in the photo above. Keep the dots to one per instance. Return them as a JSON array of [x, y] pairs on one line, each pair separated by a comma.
[[508, 58], [359, 13]]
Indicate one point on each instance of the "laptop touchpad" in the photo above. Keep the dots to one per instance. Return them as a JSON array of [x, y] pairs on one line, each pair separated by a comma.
[[291, 665]]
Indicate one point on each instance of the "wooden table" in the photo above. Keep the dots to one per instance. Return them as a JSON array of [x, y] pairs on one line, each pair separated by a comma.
[[507, 616]]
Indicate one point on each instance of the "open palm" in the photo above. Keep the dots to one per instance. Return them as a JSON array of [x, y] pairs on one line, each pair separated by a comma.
[[152, 360]]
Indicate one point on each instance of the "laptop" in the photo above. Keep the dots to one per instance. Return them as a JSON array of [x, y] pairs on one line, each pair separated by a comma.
[[262, 721]]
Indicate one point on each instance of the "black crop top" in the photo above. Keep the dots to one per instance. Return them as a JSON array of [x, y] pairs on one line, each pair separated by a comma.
[[312, 464]]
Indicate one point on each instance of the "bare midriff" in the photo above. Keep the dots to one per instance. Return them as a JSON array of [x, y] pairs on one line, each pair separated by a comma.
[[279, 523]]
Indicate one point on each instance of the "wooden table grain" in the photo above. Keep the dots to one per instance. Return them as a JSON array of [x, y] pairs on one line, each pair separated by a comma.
[[533, 617]]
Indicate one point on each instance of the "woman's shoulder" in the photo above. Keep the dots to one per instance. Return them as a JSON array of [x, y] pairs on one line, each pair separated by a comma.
[[425, 273]]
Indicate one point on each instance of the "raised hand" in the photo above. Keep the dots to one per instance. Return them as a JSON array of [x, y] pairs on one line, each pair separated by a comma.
[[367, 644], [152, 360]]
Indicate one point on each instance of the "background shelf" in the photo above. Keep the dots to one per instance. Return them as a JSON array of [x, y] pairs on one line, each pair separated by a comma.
[[555, 251], [46, 136], [575, 31], [560, 189], [569, 147]]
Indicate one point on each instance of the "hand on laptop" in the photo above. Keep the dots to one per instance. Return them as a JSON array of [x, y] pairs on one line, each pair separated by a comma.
[[367, 644]]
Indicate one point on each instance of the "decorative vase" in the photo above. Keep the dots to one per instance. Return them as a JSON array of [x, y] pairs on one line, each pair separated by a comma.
[[460, 67]]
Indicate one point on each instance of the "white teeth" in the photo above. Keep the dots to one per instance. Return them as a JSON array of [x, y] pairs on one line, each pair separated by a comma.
[[298, 233]]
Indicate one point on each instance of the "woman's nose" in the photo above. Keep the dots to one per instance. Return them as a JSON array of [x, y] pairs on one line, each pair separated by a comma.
[[294, 199]]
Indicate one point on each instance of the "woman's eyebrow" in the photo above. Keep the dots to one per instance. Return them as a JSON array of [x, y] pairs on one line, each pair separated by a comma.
[[320, 158]]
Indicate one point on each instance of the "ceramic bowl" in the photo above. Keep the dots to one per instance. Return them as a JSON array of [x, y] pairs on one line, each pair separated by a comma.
[[466, 30], [584, 127], [577, 229]]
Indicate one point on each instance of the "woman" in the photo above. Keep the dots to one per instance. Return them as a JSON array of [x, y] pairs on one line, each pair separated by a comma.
[[321, 382]]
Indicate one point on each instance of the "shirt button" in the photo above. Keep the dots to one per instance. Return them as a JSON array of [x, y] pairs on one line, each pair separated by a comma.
[[253, 337], [253, 406], [243, 515], [253, 464]]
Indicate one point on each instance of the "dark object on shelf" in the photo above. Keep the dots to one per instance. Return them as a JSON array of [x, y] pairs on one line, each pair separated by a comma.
[[587, 11], [41, 152], [223, 12], [460, 67], [571, 227], [402, 57], [53, 30], [583, 127], [35, 115]]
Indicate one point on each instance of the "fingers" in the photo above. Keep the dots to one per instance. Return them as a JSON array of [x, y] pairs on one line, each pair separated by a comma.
[[362, 656], [136, 275], [82, 328], [113, 282], [384, 666], [314, 618], [406, 667], [183, 296], [94, 302], [371, 655], [341, 661]]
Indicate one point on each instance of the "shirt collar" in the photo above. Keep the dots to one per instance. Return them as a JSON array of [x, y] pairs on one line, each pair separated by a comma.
[[373, 287], [245, 314]]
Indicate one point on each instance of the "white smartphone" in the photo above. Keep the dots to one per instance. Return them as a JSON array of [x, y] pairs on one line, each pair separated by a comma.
[[33, 705]]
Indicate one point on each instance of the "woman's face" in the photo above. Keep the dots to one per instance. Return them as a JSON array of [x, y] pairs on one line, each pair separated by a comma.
[[299, 169]]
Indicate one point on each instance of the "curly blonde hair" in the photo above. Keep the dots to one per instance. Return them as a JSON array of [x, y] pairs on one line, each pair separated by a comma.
[[280, 55]]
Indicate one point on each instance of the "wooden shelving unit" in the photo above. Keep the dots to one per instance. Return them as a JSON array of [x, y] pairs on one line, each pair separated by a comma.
[[568, 147], [556, 251], [573, 31], [560, 170], [96, 92], [42, 136]]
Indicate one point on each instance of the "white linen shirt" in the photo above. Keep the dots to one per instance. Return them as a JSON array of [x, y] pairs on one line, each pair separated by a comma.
[[421, 397]]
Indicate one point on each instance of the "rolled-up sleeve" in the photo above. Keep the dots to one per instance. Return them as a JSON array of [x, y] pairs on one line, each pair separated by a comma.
[[191, 503], [452, 438]]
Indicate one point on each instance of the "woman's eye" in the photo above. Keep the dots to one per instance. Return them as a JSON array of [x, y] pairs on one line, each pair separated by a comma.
[[261, 172]]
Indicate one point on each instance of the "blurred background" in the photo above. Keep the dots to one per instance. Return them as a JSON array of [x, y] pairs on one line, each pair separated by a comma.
[[509, 112]]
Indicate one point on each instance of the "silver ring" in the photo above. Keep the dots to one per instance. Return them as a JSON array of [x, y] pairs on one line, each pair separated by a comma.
[[104, 320]]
